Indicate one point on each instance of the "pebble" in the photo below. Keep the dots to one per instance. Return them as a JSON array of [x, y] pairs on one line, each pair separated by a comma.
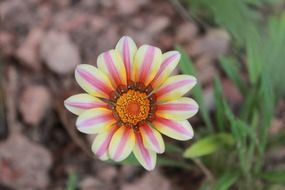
[[34, 104], [59, 53]]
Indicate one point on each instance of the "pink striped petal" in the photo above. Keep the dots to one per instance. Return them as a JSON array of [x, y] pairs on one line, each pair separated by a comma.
[[111, 63], [180, 130], [175, 87], [101, 143], [146, 157], [146, 64], [152, 139], [79, 103], [169, 62], [127, 49], [93, 81], [180, 109], [122, 143], [95, 120]]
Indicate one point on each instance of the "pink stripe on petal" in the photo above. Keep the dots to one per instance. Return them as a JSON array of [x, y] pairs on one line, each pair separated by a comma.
[[169, 60], [83, 105], [164, 64], [96, 83], [147, 62], [173, 125], [180, 130], [127, 49], [151, 136], [178, 109], [104, 146], [122, 144], [95, 120], [177, 106], [145, 153], [126, 57], [173, 86], [80, 103], [111, 67]]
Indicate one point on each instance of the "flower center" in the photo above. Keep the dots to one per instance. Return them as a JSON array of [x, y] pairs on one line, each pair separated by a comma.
[[133, 107]]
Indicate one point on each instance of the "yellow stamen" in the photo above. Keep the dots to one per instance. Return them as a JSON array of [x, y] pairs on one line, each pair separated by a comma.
[[133, 107]]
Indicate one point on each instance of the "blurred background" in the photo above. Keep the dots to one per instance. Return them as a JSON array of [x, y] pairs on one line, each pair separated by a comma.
[[236, 49]]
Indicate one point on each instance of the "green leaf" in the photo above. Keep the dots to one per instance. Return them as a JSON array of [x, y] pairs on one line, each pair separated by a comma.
[[265, 53], [231, 67], [236, 16], [209, 145], [226, 181], [244, 130], [240, 129], [254, 58], [246, 140], [220, 114], [187, 67], [267, 108], [229, 114], [273, 55], [274, 176], [250, 102]]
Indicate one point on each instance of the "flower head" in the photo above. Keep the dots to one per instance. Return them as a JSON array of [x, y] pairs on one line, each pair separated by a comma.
[[130, 100]]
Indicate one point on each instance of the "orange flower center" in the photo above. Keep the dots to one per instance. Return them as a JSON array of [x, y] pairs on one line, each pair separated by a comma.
[[133, 107], [133, 104]]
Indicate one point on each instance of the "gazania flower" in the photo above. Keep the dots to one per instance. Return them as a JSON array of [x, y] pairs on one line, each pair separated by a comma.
[[130, 100]]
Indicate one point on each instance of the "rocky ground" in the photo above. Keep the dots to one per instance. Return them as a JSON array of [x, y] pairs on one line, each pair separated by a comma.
[[41, 43]]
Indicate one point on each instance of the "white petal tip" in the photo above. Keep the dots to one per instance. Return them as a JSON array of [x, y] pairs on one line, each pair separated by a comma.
[[149, 168]]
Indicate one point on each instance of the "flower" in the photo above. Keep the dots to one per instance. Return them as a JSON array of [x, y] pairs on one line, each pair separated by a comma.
[[131, 99]]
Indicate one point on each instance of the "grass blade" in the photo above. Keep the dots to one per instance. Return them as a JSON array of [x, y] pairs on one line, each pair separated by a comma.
[[230, 66], [226, 181], [72, 181], [274, 176], [218, 94]]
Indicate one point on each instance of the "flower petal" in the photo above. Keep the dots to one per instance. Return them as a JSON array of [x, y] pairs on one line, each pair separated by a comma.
[[146, 157], [169, 62], [93, 81], [146, 64], [180, 109], [180, 130], [152, 139], [127, 49], [175, 87], [79, 103], [112, 64], [101, 142], [122, 143], [95, 120]]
